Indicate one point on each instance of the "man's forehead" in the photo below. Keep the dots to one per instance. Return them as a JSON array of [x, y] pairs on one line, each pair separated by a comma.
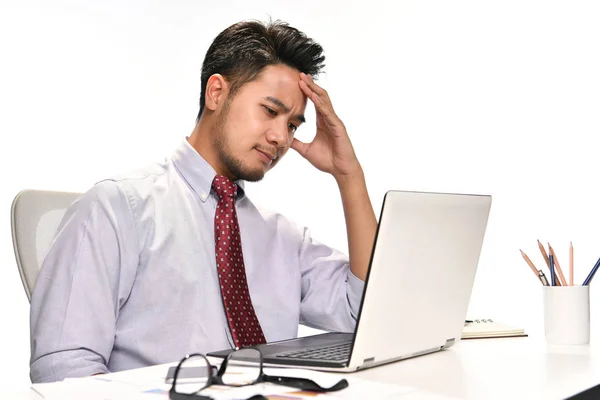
[[280, 76], [285, 96], [281, 83]]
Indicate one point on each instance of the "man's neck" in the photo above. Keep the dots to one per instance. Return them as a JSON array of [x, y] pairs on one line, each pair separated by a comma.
[[200, 140]]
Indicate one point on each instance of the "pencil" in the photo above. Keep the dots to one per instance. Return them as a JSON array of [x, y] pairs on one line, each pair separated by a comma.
[[533, 268], [571, 264], [589, 278], [547, 259], [563, 281], [553, 279], [544, 254]]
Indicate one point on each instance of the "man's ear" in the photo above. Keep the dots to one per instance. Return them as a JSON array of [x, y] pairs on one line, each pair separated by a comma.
[[217, 89]]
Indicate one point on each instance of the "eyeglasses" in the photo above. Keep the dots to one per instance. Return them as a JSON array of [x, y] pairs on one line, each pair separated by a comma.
[[195, 373]]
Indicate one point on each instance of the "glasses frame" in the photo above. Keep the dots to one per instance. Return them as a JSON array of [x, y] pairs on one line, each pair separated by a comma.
[[175, 395], [217, 379]]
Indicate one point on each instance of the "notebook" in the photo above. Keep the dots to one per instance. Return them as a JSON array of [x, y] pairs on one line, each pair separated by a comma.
[[486, 328]]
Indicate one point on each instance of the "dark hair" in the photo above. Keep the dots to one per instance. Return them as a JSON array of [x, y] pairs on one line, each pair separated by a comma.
[[243, 50]]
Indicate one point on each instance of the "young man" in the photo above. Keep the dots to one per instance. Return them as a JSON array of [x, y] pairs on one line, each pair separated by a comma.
[[175, 259]]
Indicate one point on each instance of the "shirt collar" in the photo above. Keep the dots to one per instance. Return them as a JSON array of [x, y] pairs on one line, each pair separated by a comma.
[[197, 172]]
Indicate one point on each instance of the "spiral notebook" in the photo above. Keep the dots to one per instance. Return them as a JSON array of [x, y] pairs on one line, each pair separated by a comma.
[[487, 328]]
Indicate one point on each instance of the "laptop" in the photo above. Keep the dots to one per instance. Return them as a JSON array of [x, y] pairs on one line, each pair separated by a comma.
[[417, 290]]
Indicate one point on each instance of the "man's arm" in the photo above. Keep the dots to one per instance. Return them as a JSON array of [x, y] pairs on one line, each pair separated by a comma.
[[81, 287], [361, 223], [331, 151], [331, 293]]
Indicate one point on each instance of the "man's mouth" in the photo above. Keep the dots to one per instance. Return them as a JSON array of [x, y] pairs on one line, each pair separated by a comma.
[[270, 156]]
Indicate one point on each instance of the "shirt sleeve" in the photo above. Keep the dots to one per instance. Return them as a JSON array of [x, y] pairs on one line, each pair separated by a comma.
[[85, 279], [331, 293]]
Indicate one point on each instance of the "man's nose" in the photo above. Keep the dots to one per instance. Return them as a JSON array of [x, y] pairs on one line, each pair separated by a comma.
[[278, 135]]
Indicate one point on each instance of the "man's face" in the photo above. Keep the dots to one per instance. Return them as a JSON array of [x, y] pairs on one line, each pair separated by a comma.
[[255, 128]]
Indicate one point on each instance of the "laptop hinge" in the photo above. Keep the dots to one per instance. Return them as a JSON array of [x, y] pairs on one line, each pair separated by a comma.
[[369, 360], [449, 342]]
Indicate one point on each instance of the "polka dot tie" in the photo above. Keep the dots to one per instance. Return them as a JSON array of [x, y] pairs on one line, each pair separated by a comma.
[[243, 323]]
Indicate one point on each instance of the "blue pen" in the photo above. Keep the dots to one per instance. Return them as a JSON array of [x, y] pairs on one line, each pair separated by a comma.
[[592, 272], [552, 273]]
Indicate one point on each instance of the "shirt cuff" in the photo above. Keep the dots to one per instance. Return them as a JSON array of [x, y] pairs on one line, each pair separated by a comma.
[[66, 364], [356, 288]]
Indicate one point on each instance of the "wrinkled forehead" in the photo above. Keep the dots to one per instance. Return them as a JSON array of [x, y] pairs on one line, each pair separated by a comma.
[[282, 83]]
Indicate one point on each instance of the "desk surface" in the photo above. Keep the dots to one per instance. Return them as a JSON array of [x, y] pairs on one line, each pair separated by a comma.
[[515, 368]]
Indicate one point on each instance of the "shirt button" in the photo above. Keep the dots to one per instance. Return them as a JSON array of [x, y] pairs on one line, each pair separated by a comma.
[[203, 196]]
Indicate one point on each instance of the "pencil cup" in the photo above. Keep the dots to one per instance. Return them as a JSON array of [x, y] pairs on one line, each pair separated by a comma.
[[567, 314]]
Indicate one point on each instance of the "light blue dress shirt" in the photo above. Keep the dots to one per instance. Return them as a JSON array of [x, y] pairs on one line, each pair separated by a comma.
[[130, 279]]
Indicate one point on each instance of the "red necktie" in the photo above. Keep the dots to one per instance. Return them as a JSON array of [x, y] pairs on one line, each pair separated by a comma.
[[244, 326]]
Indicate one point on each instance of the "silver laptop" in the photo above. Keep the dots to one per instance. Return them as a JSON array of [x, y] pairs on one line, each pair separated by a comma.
[[417, 290]]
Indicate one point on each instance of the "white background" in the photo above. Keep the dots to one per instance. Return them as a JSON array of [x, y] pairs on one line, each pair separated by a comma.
[[500, 98]]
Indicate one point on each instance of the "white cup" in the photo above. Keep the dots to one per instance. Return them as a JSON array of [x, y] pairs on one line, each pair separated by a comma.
[[567, 314]]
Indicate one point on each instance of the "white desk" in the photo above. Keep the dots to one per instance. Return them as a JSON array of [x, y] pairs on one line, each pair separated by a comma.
[[515, 368]]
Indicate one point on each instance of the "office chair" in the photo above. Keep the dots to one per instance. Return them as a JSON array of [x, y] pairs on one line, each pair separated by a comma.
[[35, 217]]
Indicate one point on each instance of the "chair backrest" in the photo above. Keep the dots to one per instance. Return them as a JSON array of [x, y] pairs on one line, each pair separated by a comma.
[[35, 217]]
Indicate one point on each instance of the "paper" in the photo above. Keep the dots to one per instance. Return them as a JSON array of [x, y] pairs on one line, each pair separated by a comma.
[[119, 387], [357, 388], [90, 388]]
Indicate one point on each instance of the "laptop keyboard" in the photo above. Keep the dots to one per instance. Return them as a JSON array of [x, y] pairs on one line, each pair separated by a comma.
[[337, 352]]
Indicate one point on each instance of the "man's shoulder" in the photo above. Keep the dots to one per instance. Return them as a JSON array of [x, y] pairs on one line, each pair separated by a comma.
[[141, 176], [126, 187], [139, 182]]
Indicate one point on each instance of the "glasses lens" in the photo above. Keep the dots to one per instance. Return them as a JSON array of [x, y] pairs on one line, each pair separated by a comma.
[[243, 367], [193, 375]]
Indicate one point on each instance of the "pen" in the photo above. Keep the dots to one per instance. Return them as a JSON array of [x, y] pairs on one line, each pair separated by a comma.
[[543, 278], [592, 272], [560, 277], [552, 274]]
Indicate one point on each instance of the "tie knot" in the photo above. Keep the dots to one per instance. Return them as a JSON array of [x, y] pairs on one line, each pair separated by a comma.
[[224, 187]]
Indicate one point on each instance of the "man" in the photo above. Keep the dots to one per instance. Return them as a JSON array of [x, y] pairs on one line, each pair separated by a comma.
[[175, 259]]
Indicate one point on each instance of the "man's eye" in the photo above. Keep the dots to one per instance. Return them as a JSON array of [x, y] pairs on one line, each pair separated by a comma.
[[293, 128], [270, 111]]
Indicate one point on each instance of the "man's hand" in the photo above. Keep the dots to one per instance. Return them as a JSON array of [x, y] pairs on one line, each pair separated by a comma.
[[331, 150]]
